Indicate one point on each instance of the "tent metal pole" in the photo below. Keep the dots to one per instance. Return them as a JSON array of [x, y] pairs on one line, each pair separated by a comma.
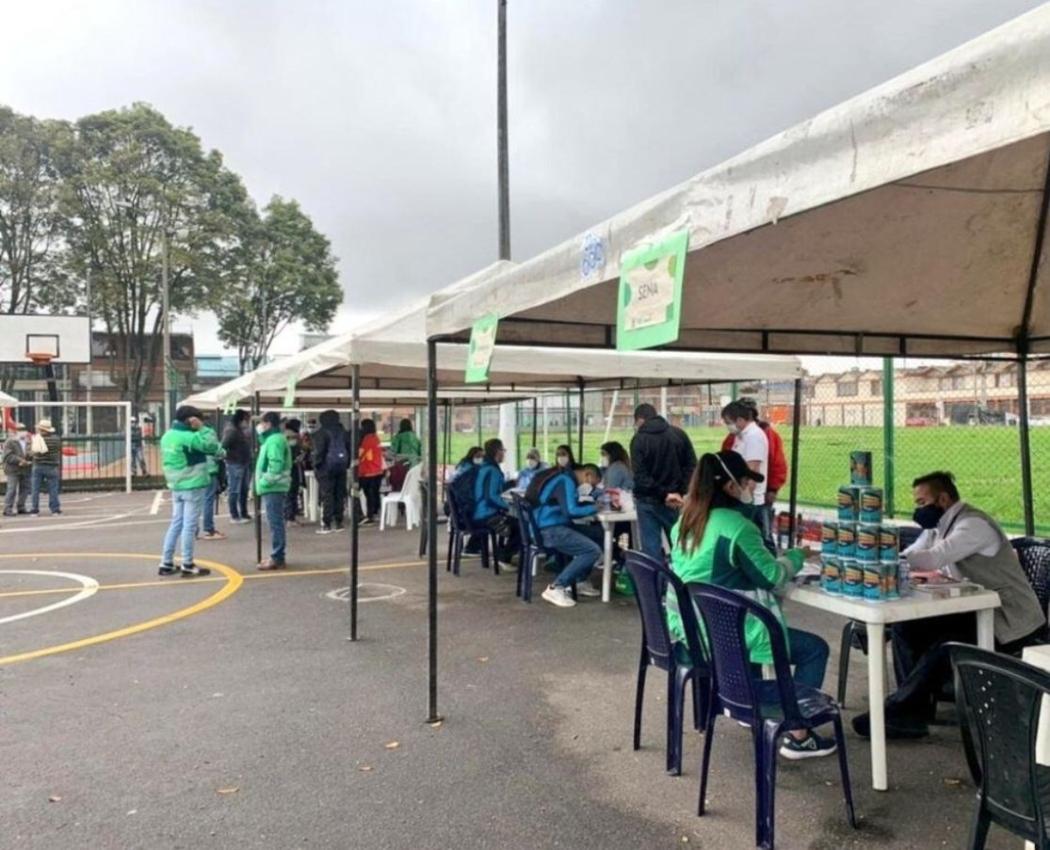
[[568, 418], [257, 500], [579, 453], [480, 431], [1026, 444], [355, 436], [796, 428], [535, 420], [517, 434], [431, 520]]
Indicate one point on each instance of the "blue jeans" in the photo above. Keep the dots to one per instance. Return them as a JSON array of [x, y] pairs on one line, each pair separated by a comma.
[[49, 476], [208, 512], [654, 521], [809, 655], [237, 494], [185, 514], [585, 553], [273, 504]]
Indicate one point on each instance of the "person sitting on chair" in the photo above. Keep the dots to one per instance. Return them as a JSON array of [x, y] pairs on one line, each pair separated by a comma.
[[958, 542], [490, 509], [559, 505]]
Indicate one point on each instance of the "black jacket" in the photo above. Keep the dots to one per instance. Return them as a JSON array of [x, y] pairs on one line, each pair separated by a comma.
[[331, 430], [662, 459], [237, 445]]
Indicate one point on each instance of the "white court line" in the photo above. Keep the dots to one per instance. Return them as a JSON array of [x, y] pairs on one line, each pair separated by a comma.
[[157, 500], [89, 587], [29, 528]]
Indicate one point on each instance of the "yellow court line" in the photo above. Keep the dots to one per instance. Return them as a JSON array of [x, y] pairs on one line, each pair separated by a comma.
[[180, 582], [233, 582]]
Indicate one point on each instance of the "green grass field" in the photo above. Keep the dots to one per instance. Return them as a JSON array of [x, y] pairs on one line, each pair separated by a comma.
[[985, 460]]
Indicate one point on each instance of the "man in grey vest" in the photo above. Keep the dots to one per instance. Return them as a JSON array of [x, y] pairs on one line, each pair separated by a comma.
[[958, 541]]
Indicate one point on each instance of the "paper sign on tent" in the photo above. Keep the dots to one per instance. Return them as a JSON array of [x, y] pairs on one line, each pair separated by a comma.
[[482, 345], [650, 294]]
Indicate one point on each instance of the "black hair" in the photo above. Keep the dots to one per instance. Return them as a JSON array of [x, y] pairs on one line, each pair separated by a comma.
[[240, 416], [939, 482], [492, 447], [617, 453], [405, 425], [368, 426], [273, 417], [187, 411], [293, 425], [739, 410], [568, 450], [645, 411], [469, 456], [592, 468], [703, 488]]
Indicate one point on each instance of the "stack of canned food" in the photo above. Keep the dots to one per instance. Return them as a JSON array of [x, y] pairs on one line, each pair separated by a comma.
[[859, 552]]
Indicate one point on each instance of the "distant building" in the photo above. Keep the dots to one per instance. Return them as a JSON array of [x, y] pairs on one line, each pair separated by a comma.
[[215, 369]]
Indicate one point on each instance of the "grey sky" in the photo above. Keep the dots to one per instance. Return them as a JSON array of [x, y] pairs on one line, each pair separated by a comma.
[[379, 116]]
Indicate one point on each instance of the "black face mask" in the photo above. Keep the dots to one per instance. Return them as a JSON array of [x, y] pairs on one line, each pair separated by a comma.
[[928, 516]]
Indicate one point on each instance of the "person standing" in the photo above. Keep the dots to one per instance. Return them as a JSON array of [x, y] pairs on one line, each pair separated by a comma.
[[138, 457], [777, 466], [16, 468], [273, 479], [331, 460], [212, 493], [616, 467], [406, 445], [184, 451], [237, 445], [45, 450], [370, 469], [292, 428], [751, 443], [663, 460]]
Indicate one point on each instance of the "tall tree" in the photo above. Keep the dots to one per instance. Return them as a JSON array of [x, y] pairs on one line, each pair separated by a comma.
[[32, 248], [287, 275], [135, 187]]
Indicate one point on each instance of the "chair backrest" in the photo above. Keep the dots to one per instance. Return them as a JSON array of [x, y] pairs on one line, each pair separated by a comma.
[[410, 486], [908, 535], [651, 578], [457, 521], [999, 700], [724, 613], [1034, 555], [530, 532]]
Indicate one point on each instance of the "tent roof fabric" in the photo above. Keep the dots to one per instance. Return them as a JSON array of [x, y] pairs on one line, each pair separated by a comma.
[[905, 221]]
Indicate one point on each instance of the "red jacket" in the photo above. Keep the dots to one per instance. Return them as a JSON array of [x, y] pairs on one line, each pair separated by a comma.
[[369, 457], [778, 465]]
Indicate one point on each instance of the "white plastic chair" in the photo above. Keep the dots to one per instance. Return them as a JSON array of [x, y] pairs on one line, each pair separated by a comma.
[[408, 496]]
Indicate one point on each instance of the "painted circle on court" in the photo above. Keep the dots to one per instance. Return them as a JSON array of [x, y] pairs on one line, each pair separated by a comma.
[[88, 588], [367, 591]]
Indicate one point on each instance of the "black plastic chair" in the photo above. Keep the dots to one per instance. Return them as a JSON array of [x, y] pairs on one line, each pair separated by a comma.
[[460, 527], [778, 707], [1034, 555], [651, 579], [999, 698], [532, 548]]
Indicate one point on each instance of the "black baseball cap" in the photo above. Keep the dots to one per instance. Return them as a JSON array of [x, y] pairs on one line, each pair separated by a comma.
[[732, 464], [273, 418], [188, 411]]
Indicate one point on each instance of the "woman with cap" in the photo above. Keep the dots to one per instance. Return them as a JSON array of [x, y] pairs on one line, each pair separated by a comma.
[[533, 465], [45, 449], [273, 479], [717, 543]]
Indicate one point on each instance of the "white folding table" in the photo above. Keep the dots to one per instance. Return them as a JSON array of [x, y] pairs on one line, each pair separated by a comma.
[[876, 616], [608, 519]]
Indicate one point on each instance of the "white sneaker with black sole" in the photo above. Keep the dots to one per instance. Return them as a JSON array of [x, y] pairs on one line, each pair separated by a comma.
[[559, 596], [587, 590], [813, 746]]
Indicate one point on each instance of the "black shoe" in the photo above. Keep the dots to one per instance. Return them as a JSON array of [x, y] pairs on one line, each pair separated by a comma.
[[899, 727], [190, 570], [22, 511], [35, 513], [9, 513], [56, 513], [167, 570]]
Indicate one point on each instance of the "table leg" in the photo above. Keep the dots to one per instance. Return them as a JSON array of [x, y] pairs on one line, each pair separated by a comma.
[[877, 703], [986, 629], [607, 563]]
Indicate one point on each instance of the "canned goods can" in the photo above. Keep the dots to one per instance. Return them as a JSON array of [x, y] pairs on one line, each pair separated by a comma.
[[903, 577], [867, 542], [890, 583], [830, 574], [852, 577], [860, 468], [889, 543], [873, 581], [829, 537], [847, 540], [849, 503], [871, 504]]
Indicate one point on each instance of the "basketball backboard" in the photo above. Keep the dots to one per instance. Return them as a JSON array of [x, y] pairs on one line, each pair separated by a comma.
[[66, 338]]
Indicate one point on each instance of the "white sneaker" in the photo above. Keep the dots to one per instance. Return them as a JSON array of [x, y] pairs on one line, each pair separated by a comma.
[[587, 590], [559, 596], [324, 529]]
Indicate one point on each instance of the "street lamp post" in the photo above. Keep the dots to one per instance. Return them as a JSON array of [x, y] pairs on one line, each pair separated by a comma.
[[166, 318]]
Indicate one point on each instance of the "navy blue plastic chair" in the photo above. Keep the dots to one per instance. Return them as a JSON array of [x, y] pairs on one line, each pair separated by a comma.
[[532, 548], [776, 708], [685, 665], [999, 699], [460, 527]]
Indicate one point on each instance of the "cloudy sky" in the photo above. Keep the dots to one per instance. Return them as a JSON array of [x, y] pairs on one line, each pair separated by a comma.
[[379, 117]]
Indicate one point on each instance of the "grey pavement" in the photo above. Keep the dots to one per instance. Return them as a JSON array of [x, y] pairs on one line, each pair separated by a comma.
[[255, 723]]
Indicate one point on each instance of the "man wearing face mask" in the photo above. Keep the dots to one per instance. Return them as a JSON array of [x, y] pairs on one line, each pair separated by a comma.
[[184, 451], [751, 443], [16, 468], [961, 542], [273, 478]]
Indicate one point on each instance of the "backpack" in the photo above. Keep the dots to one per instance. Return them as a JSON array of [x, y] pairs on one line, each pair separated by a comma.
[[336, 457], [538, 482], [462, 488]]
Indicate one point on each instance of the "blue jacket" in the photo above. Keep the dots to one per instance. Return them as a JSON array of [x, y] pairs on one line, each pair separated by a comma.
[[488, 492], [560, 502]]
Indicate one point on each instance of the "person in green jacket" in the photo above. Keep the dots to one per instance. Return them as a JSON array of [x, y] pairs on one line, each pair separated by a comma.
[[715, 541], [184, 452], [211, 495], [273, 479], [406, 445]]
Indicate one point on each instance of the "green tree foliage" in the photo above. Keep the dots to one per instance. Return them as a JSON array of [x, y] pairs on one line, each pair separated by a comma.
[[286, 274], [133, 187]]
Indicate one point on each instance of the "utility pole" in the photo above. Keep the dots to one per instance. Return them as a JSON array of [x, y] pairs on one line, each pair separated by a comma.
[[501, 135], [167, 328], [89, 375]]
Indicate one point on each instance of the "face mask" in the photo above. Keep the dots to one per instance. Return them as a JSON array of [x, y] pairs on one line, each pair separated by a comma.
[[292, 438], [531, 463], [479, 460], [928, 516], [604, 462], [732, 428], [584, 489], [261, 429], [747, 496], [563, 461]]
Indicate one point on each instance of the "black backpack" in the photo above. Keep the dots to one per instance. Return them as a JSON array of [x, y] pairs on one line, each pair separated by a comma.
[[538, 482], [336, 457]]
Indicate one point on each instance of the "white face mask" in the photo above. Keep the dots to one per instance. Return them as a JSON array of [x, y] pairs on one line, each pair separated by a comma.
[[563, 460], [261, 429], [584, 489], [747, 495], [732, 428], [479, 460], [604, 462], [532, 463]]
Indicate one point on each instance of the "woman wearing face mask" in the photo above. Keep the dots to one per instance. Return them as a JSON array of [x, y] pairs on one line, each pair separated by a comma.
[[474, 455], [533, 465], [564, 457], [616, 467], [716, 544]]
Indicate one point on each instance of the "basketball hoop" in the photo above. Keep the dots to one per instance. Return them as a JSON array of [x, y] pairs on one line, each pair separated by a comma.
[[39, 358]]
